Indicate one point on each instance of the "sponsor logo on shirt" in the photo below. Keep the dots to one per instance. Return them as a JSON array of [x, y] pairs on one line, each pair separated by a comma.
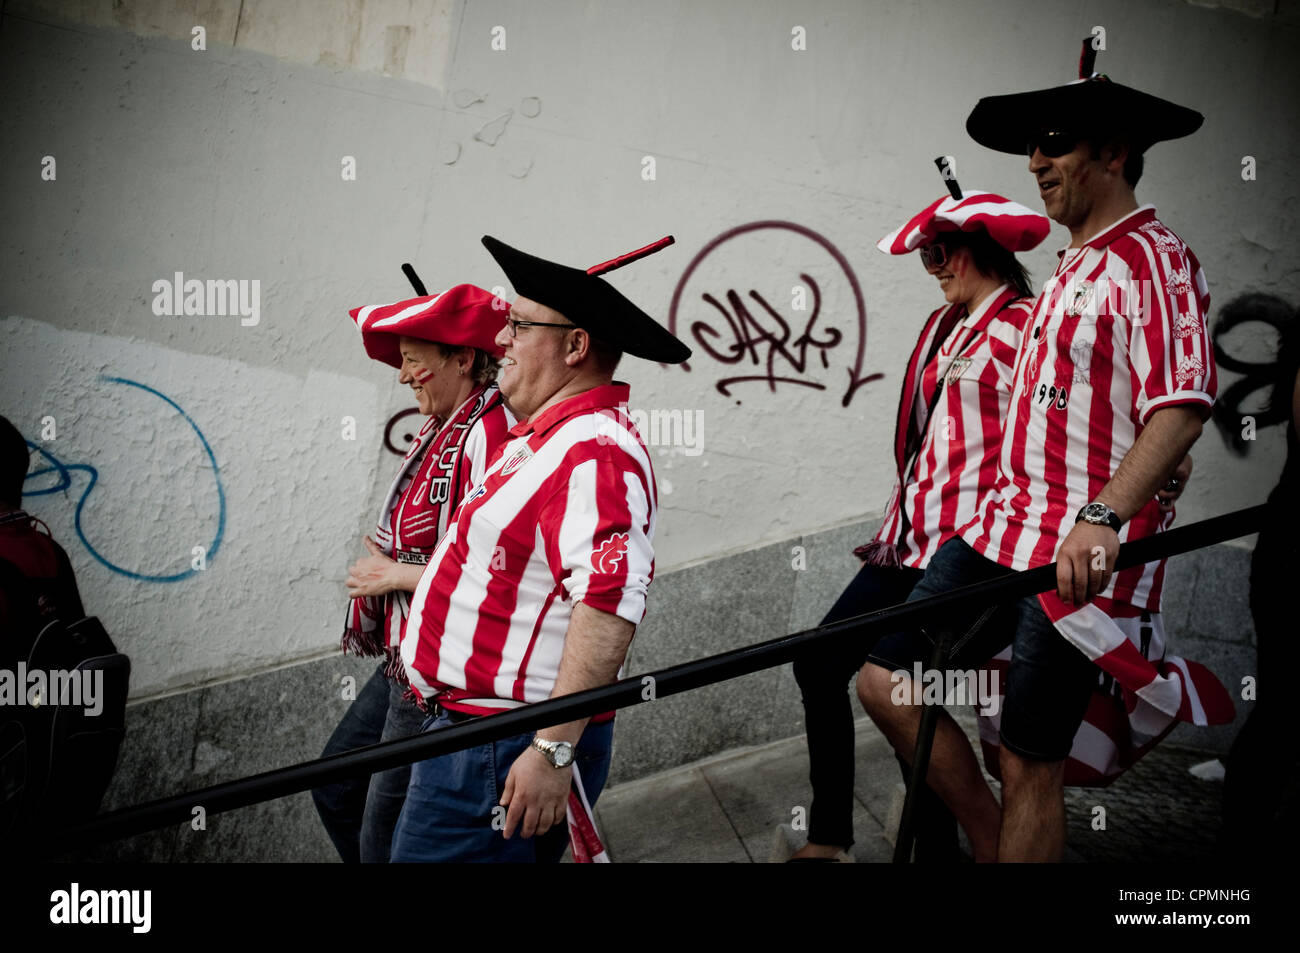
[[1189, 368], [1164, 241], [1187, 324], [1081, 355], [607, 554], [1179, 282]]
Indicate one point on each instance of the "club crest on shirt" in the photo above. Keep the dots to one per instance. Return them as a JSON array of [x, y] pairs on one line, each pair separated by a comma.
[[607, 554], [517, 460], [1081, 299], [955, 370]]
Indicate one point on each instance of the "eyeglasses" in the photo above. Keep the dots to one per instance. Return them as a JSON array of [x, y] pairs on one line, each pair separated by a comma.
[[1052, 143], [933, 255], [515, 325]]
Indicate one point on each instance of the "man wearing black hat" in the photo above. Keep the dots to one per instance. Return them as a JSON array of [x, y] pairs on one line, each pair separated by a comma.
[[538, 586], [1114, 379]]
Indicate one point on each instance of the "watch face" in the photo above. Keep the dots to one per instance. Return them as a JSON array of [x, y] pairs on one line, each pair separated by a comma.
[[563, 755], [1095, 512]]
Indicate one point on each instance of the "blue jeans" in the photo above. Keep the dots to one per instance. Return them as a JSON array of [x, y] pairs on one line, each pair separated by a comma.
[[449, 810], [359, 814]]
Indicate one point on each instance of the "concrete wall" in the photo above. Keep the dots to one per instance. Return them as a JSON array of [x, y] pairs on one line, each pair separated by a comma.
[[214, 432]]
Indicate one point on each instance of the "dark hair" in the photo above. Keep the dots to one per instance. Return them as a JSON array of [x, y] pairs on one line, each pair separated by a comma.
[[484, 367], [14, 460], [607, 355], [991, 259], [1132, 164]]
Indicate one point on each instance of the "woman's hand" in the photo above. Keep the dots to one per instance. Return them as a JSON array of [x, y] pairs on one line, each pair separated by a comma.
[[1172, 490], [373, 575]]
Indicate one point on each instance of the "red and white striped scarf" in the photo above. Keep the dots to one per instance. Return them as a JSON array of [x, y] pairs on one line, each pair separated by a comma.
[[415, 515], [1141, 697]]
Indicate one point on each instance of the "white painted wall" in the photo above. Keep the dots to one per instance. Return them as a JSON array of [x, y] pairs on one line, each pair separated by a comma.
[[225, 163]]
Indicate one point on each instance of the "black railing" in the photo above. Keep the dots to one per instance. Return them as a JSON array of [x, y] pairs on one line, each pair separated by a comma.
[[634, 690]]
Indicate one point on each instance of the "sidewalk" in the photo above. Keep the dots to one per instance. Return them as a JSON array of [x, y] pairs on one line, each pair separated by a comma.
[[735, 807]]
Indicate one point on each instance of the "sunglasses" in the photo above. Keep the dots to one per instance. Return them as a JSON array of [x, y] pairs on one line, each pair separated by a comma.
[[1052, 143], [933, 255]]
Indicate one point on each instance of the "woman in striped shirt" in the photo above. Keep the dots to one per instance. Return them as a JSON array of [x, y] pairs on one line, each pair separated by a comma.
[[955, 394]]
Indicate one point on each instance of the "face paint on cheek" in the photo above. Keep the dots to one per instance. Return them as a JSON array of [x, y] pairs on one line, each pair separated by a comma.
[[422, 376]]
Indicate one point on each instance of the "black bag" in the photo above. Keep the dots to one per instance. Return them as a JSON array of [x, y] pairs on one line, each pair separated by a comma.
[[56, 760]]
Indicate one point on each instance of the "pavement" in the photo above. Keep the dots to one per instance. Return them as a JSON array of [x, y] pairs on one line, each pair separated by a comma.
[[750, 806]]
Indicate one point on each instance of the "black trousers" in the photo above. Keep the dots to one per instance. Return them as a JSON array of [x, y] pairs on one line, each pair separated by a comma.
[[822, 674]]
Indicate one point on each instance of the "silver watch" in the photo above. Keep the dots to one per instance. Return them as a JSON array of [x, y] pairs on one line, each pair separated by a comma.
[[1099, 514], [559, 753]]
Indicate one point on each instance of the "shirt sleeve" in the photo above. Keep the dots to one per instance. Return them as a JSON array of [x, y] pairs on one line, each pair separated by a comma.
[[598, 530], [1170, 354]]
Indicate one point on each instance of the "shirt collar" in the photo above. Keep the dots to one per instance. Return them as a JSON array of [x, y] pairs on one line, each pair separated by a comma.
[[598, 398], [1134, 219], [984, 311]]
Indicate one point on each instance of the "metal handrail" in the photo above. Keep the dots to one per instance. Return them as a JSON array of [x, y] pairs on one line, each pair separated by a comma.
[[634, 690]]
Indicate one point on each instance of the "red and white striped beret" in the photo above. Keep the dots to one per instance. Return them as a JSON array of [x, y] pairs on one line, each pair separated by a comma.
[[1008, 223], [461, 316]]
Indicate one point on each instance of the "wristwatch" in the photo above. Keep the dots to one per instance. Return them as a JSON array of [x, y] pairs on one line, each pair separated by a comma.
[[1099, 514], [559, 753]]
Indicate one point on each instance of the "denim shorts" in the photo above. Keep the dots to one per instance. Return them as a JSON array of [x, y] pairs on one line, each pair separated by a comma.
[[1048, 682]]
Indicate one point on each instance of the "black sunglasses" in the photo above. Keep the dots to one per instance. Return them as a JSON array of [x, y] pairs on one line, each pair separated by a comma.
[[933, 255], [1052, 143]]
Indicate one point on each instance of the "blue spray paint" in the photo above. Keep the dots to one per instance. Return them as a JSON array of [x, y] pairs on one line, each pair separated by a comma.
[[64, 471]]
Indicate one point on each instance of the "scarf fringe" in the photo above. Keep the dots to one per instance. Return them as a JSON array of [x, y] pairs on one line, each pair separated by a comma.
[[358, 642], [879, 553], [396, 668]]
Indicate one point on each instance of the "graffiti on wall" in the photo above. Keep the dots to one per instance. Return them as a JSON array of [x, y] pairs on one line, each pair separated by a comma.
[[63, 474], [1237, 401], [771, 337]]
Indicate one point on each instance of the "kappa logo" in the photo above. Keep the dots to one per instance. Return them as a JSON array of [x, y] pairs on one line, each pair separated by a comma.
[[517, 460], [607, 555], [1178, 282], [1189, 368], [1164, 241], [955, 370], [1187, 324]]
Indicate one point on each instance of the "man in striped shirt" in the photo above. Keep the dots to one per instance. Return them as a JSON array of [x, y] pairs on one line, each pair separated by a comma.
[[1113, 381], [537, 587]]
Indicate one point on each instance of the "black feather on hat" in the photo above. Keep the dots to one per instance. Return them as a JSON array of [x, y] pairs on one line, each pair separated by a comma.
[[590, 302], [1091, 104]]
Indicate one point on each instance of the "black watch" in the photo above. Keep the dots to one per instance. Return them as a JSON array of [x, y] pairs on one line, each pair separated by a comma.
[[1099, 514]]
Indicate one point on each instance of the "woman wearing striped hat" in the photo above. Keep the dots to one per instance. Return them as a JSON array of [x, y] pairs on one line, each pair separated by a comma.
[[956, 389], [444, 349]]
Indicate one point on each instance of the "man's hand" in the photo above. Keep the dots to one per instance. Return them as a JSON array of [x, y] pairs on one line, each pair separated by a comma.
[[1085, 562], [536, 794], [1172, 490]]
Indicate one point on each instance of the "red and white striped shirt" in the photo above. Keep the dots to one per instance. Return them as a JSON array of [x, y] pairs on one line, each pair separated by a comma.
[[1118, 333], [566, 514], [949, 428]]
